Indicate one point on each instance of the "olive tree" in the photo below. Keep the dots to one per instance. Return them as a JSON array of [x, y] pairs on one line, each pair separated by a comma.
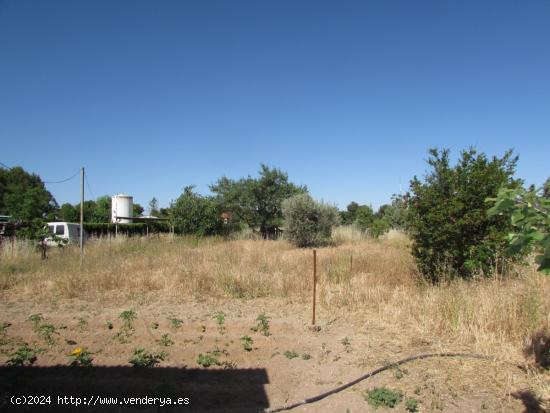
[[308, 223]]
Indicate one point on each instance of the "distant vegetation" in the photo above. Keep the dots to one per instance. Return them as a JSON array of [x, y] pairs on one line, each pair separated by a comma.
[[446, 213]]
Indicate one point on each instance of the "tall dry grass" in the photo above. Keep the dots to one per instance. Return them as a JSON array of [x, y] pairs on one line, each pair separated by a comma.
[[357, 275]]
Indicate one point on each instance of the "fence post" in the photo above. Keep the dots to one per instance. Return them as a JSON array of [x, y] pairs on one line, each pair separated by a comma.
[[314, 283]]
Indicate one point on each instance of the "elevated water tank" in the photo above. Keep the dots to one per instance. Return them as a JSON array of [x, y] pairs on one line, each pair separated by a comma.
[[122, 208]]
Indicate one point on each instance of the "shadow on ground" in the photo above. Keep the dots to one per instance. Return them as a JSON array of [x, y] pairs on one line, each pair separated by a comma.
[[530, 402], [231, 390], [538, 347]]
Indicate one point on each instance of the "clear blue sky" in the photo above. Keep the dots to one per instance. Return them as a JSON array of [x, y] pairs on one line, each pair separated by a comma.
[[345, 96]]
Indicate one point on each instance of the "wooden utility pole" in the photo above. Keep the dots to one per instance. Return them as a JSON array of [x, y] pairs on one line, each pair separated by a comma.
[[314, 283], [81, 217]]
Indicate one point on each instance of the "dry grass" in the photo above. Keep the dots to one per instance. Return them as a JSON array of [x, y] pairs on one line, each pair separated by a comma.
[[493, 317]]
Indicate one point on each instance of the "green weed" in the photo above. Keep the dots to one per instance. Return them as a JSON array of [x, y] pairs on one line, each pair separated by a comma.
[[46, 331], [128, 318], [35, 319], [220, 319], [82, 324], [290, 354], [208, 359], [247, 342], [23, 356], [143, 358], [175, 322], [383, 397], [262, 325], [411, 405], [165, 340]]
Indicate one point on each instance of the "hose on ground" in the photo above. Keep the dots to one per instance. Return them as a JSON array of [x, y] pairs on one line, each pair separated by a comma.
[[370, 374]]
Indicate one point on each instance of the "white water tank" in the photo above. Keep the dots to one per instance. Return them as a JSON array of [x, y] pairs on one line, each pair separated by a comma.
[[122, 208]]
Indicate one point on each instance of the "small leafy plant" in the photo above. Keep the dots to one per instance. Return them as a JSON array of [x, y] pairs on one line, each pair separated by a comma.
[[383, 397], [220, 320], [23, 356], [175, 322], [80, 358], [208, 359], [165, 341], [143, 358], [82, 324], [347, 344], [46, 331], [35, 319], [262, 325], [290, 354], [4, 327], [127, 327], [306, 356], [128, 318], [411, 405], [247, 342]]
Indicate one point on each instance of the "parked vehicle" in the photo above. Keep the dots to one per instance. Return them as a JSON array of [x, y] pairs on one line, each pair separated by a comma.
[[64, 232]]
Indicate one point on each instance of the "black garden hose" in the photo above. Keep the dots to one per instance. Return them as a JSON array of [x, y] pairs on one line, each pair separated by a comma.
[[370, 374]]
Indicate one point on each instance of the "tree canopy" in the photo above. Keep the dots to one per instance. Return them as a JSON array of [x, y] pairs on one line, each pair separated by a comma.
[[257, 201], [451, 231], [24, 195], [195, 214]]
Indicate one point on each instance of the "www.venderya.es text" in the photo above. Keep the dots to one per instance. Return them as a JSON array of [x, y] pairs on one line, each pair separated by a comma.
[[94, 400]]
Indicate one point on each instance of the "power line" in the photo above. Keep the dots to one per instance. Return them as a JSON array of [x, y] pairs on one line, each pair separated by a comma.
[[4, 165], [63, 180], [88, 185]]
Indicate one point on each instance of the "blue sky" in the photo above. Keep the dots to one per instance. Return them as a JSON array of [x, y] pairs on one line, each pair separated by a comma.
[[346, 97]]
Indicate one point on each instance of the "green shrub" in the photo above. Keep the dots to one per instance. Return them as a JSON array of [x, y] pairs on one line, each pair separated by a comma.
[[308, 223], [379, 226], [383, 397], [529, 213], [448, 222]]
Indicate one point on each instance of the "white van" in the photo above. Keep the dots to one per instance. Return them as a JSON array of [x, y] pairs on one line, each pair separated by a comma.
[[66, 231]]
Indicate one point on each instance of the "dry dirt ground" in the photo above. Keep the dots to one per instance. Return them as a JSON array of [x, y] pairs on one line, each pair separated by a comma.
[[347, 346]]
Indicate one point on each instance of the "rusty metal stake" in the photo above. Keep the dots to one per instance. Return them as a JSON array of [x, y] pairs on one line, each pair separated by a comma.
[[314, 283]]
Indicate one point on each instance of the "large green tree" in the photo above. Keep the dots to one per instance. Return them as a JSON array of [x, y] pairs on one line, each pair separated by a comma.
[[69, 213], [257, 201], [24, 196], [448, 222], [195, 214]]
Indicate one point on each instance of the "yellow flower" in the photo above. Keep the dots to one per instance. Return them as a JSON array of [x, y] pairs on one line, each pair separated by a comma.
[[76, 352]]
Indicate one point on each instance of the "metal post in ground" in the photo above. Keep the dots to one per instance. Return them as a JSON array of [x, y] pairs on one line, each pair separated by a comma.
[[314, 283]]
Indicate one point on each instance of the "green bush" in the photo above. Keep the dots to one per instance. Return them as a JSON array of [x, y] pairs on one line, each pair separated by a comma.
[[529, 213], [379, 226], [308, 223], [448, 222], [383, 397], [196, 214]]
